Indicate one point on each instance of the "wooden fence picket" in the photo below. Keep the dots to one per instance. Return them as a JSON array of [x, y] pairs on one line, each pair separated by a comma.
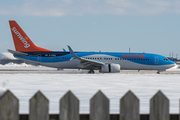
[[129, 107], [159, 107], [69, 107], [9, 106], [99, 107], [39, 107]]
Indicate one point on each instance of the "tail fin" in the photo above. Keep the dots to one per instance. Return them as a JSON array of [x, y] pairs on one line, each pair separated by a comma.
[[21, 41]]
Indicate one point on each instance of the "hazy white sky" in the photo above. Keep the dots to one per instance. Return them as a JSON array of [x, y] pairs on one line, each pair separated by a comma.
[[83, 7], [92, 25]]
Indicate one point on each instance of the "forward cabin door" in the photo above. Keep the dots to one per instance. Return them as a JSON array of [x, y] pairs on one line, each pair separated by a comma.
[[39, 58], [156, 60]]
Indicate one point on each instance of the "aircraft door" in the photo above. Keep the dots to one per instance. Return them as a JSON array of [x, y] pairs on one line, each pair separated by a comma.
[[105, 59], [39, 58], [100, 59], [156, 60]]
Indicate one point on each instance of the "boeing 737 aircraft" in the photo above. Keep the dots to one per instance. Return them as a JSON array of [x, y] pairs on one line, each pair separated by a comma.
[[105, 62]]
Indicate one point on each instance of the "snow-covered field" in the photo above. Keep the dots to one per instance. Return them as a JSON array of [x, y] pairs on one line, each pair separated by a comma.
[[23, 66], [84, 86]]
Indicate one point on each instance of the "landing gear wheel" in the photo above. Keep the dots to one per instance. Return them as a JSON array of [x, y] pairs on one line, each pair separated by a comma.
[[91, 72], [158, 72]]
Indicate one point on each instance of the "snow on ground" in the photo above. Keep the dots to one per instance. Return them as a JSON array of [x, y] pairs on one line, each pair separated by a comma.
[[7, 55], [24, 66], [84, 86], [2, 88], [175, 68]]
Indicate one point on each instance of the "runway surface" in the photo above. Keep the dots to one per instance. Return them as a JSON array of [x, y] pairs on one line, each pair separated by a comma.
[[54, 71]]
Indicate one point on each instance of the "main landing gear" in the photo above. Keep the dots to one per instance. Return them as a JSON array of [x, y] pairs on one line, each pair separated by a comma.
[[158, 72], [91, 72]]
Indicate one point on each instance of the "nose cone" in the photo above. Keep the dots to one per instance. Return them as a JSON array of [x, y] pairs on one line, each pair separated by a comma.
[[172, 64]]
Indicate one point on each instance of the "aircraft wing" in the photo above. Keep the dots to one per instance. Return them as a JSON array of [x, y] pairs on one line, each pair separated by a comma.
[[16, 52], [85, 62]]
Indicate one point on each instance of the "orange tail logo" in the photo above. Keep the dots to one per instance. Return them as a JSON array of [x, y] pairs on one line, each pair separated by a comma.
[[21, 41]]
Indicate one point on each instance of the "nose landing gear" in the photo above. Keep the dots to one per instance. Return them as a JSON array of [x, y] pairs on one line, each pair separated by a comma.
[[91, 72], [158, 72]]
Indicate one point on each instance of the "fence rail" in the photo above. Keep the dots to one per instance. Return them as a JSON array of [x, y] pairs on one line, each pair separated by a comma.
[[99, 108]]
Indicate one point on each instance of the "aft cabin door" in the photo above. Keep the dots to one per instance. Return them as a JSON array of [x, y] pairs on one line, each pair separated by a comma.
[[39, 58], [156, 60]]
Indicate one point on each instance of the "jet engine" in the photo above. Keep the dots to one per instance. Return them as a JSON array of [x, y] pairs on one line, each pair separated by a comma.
[[110, 68]]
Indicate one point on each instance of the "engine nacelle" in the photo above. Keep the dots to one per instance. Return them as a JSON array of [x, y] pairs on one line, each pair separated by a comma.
[[110, 68]]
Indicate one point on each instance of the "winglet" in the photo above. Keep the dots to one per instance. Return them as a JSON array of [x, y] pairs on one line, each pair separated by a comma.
[[74, 56], [72, 53], [64, 50]]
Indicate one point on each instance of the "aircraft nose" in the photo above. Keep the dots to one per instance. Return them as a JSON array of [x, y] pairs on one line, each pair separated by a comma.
[[172, 64]]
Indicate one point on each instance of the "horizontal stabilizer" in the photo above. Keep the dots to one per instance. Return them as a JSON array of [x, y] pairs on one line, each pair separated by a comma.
[[16, 52]]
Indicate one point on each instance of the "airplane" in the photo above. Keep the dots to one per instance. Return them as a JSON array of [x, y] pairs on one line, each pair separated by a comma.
[[105, 62]]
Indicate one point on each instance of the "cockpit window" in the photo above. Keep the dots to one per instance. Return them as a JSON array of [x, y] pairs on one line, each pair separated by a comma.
[[165, 59]]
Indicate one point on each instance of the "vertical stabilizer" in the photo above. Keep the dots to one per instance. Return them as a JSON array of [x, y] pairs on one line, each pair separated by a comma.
[[22, 42]]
